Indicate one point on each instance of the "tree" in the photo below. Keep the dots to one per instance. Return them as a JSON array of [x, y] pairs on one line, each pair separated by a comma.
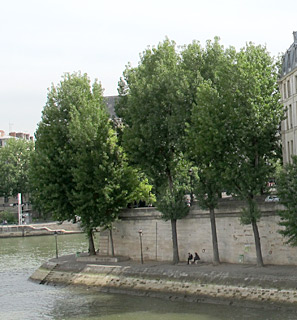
[[14, 167], [51, 171], [234, 134], [207, 133], [98, 181], [254, 132], [113, 184], [287, 188], [154, 106]]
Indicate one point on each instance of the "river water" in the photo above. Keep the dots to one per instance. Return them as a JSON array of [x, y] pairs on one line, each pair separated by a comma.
[[21, 299]]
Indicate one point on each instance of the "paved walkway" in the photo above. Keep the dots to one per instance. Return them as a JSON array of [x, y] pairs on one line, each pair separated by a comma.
[[270, 276]]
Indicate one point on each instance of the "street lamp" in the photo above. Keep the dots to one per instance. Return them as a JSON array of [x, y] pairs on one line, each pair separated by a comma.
[[140, 238], [56, 239]]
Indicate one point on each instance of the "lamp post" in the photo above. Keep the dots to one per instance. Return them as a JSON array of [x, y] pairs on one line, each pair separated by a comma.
[[56, 239], [20, 218], [140, 238]]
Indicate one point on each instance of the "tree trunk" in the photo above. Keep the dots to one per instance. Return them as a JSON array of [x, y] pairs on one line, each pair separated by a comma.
[[111, 241], [258, 244], [173, 225], [216, 258], [92, 251], [174, 242]]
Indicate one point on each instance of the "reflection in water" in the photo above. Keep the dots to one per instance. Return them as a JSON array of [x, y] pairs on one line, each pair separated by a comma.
[[21, 299]]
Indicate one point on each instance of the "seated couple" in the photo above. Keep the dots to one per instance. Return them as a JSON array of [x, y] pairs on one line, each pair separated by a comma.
[[191, 260]]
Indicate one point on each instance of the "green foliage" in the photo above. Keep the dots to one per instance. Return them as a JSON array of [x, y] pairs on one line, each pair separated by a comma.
[[251, 213], [154, 107], [172, 199], [234, 134], [172, 204], [78, 168], [104, 182], [155, 104], [207, 188], [207, 133], [235, 121], [8, 216], [14, 167], [287, 191], [51, 175], [257, 106]]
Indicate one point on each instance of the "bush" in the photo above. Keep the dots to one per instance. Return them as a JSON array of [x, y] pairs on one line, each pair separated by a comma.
[[8, 216]]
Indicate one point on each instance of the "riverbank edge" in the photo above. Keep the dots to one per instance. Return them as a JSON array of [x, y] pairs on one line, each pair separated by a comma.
[[39, 229], [194, 283]]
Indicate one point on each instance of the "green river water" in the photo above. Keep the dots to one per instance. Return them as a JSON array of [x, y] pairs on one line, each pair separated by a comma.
[[21, 299]]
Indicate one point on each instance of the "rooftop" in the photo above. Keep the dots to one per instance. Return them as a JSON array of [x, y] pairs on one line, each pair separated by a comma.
[[290, 57]]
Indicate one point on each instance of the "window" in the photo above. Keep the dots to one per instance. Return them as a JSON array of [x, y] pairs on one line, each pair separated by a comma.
[[287, 120], [289, 88], [292, 152], [285, 91], [290, 116], [295, 84], [288, 151]]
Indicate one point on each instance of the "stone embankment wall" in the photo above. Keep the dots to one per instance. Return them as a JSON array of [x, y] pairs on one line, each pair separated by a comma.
[[7, 231], [192, 283], [236, 241]]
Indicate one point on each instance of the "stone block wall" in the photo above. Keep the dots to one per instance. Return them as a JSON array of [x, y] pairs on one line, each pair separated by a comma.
[[236, 241]]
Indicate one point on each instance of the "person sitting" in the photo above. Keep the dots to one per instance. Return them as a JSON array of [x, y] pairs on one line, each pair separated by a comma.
[[190, 258], [196, 258]]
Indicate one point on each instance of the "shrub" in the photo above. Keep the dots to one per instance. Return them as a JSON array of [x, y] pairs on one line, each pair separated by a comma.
[[8, 216]]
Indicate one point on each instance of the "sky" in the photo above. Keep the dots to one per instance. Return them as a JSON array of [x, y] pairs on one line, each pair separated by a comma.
[[43, 39]]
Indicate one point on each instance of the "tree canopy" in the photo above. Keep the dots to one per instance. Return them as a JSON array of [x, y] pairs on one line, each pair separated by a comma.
[[234, 132], [79, 169], [14, 167], [154, 106]]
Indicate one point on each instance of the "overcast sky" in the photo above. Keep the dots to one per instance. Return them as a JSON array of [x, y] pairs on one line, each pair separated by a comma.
[[43, 39]]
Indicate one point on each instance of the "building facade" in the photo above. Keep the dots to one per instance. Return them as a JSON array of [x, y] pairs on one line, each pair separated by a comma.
[[13, 135], [288, 90]]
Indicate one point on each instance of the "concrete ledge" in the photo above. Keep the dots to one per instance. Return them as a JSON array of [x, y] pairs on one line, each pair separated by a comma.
[[9, 231], [195, 282], [100, 258]]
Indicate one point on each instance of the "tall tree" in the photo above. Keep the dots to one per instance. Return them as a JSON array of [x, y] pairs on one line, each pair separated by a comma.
[[208, 131], [79, 170], [235, 122], [104, 182], [14, 167], [254, 133], [51, 175], [154, 107]]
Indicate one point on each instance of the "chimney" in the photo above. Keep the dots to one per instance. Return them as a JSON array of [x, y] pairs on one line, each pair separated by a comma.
[[295, 36]]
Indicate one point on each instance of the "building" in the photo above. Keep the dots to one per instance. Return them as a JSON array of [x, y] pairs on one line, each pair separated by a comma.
[[13, 135], [288, 90]]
